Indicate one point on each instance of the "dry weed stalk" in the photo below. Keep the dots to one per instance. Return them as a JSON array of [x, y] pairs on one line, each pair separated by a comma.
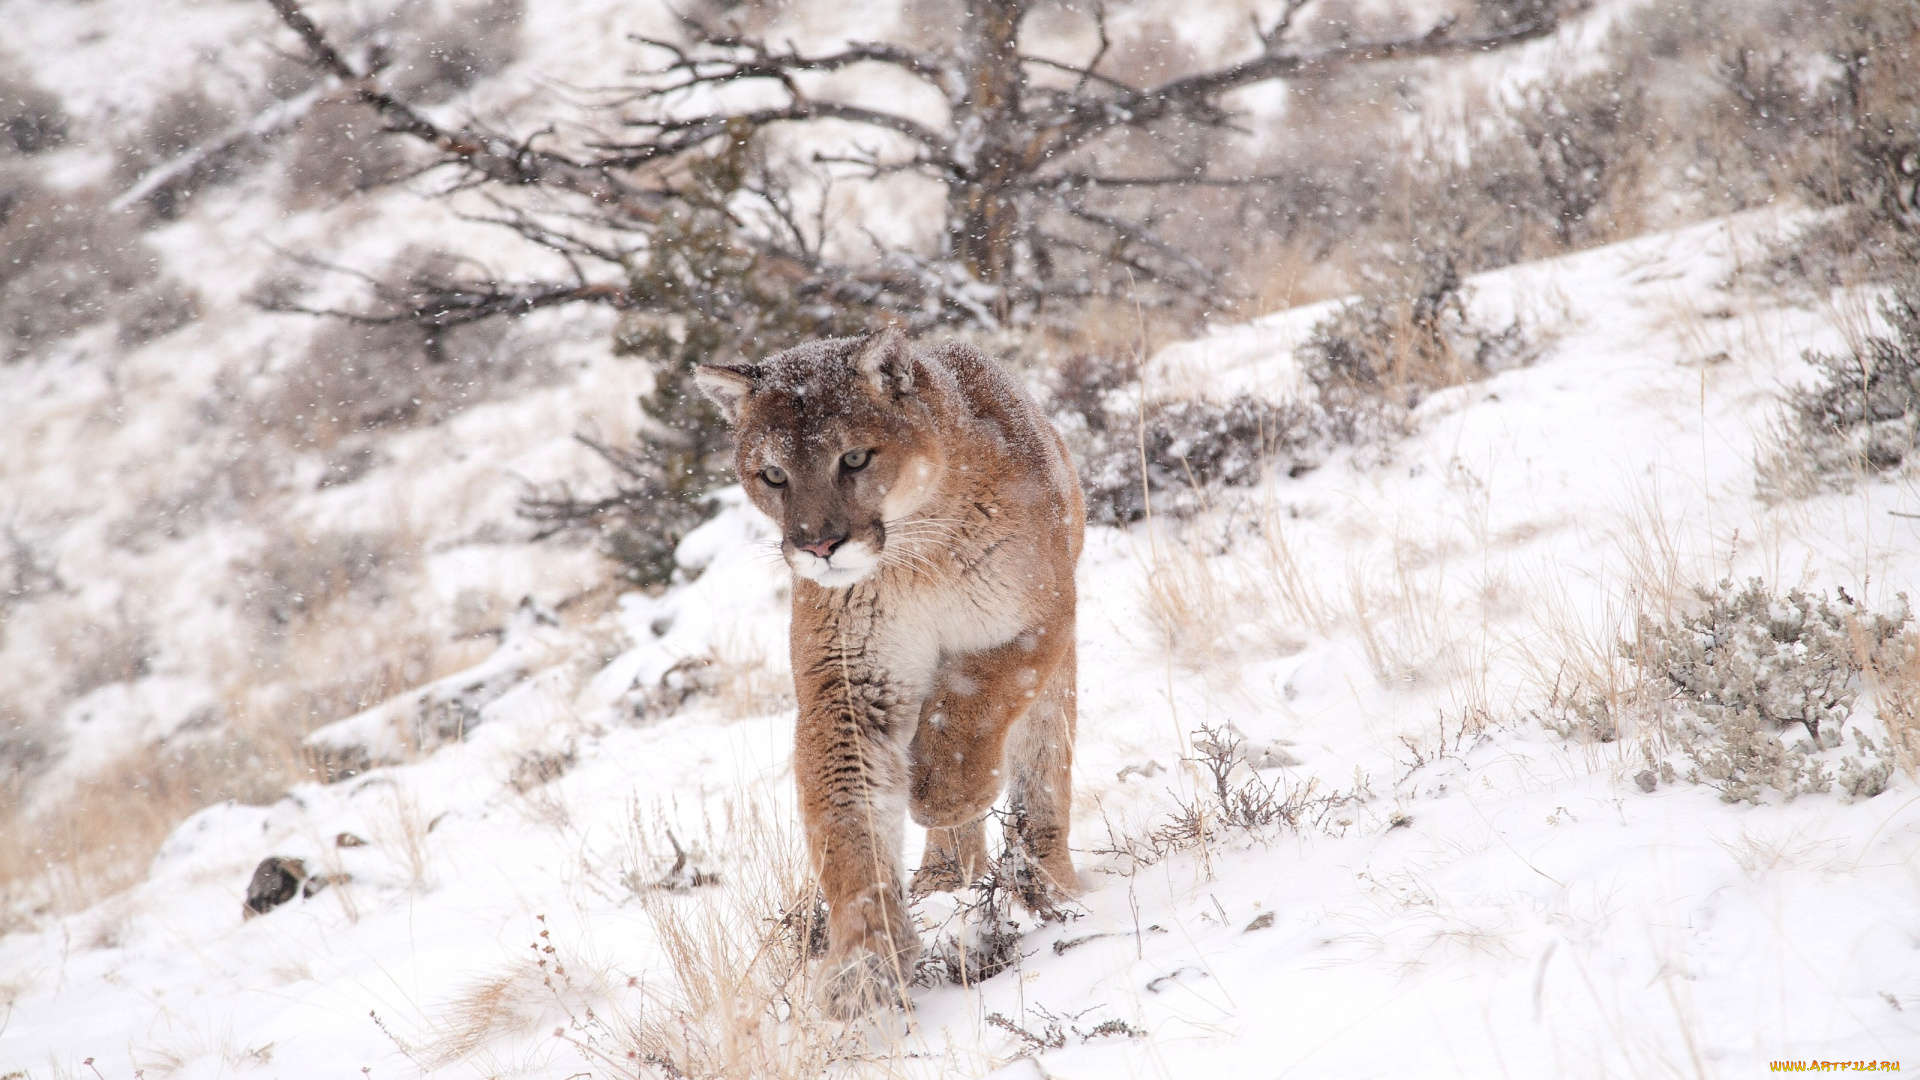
[[402, 834], [1240, 802], [1193, 602], [1401, 615]]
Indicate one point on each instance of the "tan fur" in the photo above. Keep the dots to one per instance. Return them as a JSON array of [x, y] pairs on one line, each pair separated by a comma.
[[933, 648]]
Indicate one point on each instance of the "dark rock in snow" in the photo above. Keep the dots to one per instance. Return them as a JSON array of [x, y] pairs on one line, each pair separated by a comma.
[[277, 880]]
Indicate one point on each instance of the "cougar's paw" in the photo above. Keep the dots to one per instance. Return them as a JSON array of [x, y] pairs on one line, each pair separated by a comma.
[[1046, 891], [862, 983]]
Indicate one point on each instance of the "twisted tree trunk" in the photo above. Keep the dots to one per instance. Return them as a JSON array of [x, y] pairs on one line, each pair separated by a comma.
[[990, 148]]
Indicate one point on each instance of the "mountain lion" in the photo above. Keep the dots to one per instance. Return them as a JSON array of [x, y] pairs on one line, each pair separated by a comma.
[[932, 519]]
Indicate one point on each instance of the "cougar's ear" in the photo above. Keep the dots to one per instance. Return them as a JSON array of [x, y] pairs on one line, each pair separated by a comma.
[[884, 360], [726, 387]]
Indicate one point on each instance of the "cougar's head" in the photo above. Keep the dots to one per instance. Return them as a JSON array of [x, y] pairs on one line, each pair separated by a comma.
[[834, 441]]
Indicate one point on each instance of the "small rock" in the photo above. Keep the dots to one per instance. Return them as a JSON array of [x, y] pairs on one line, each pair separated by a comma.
[[275, 881], [1646, 780], [1260, 922]]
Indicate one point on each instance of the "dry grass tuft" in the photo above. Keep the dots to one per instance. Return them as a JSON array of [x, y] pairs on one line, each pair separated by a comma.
[[99, 837], [740, 1000], [745, 681], [1209, 600]]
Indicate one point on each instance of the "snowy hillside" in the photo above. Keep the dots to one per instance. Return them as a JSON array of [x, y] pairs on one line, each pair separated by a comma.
[[1482, 896], [1381, 768]]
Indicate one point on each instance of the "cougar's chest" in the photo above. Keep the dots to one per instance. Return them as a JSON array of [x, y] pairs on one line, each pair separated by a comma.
[[922, 627]]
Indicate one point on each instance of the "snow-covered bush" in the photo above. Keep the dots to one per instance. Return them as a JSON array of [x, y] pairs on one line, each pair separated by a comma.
[[1862, 418], [1369, 363], [1186, 446], [1755, 688], [340, 148], [431, 51], [1855, 147], [185, 121], [301, 576]]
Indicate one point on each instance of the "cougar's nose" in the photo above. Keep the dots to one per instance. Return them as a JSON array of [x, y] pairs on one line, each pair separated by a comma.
[[822, 548]]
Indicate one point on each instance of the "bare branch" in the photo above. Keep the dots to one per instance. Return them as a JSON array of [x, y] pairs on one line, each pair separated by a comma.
[[702, 128], [761, 62], [440, 303], [1277, 33], [1134, 234], [495, 157], [1099, 54], [1079, 117], [1086, 74]]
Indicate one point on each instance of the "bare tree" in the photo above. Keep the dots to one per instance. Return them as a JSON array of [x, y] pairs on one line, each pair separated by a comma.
[[1031, 213], [681, 218]]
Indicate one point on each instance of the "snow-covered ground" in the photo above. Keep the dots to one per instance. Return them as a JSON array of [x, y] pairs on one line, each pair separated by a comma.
[[1494, 901]]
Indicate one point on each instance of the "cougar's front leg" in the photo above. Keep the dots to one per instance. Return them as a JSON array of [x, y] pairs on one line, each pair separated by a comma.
[[850, 763], [961, 759]]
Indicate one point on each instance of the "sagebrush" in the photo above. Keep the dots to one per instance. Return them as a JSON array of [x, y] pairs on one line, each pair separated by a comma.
[[1753, 688], [1862, 418]]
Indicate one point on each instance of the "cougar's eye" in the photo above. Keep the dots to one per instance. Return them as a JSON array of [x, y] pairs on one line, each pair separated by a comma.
[[855, 459], [774, 475]]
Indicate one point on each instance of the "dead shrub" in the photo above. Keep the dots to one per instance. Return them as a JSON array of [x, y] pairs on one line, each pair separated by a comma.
[[299, 576], [1874, 160], [979, 936], [341, 148], [32, 120], [1859, 147], [1896, 680], [184, 120], [1381, 354], [77, 265], [1185, 447], [335, 629], [1575, 147], [1241, 803], [431, 52], [359, 376], [99, 652], [27, 748]]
